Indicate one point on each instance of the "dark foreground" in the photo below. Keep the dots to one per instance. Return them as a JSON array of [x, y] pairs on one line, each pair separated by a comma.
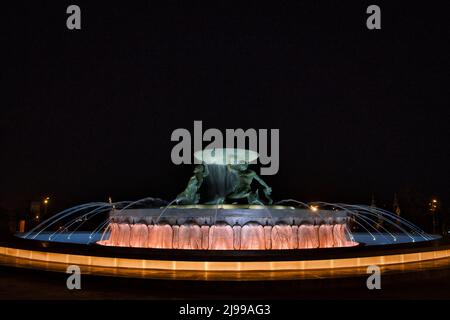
[[33, 284]]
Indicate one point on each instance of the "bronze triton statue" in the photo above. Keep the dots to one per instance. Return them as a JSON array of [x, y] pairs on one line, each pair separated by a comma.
[[231, 181]]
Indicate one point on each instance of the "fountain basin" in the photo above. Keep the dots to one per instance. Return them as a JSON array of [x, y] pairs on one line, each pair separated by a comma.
[[227, 227]]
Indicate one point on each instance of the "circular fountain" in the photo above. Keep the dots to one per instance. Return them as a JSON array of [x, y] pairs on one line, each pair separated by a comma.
[[224, 220], [222, 177]]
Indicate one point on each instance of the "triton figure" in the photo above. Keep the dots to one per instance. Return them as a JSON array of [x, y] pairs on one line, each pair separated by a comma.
[[190, 195], [243, 187], [229, 178]]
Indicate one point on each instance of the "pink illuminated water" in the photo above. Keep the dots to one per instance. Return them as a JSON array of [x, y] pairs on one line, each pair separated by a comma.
[[221, 237], [190, 237], [251, 236]]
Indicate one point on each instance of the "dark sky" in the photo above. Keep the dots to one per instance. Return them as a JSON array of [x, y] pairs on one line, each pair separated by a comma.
[[89, 113]]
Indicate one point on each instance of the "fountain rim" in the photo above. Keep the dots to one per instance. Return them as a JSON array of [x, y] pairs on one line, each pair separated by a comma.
[[361, 250], [200, 265]]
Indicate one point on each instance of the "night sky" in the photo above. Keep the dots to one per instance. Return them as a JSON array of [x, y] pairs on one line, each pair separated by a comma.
[[88, 114]]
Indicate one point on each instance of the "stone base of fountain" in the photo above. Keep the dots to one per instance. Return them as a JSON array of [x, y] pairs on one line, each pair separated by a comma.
[[227, 227]]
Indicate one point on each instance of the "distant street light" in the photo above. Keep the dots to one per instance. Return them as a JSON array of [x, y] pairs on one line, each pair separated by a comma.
[[46, 201], [432, 207]]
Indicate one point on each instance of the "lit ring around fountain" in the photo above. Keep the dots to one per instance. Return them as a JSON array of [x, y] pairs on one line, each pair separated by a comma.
[[221, 265]]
